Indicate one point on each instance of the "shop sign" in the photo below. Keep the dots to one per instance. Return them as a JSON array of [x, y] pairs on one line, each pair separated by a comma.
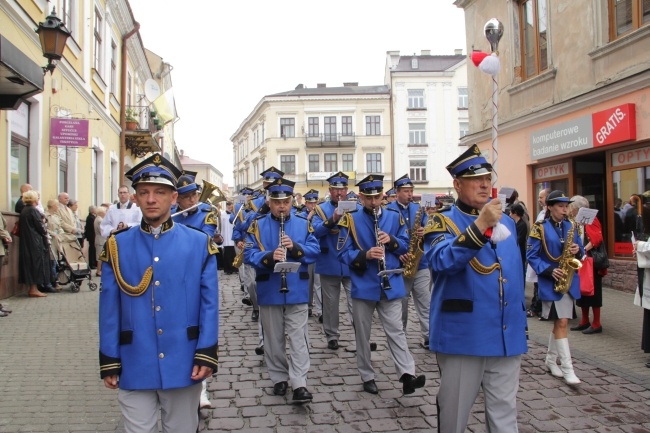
[[633, 156], [567, 137], [554, 170], [614, 125], [69, 132], [318, 175]]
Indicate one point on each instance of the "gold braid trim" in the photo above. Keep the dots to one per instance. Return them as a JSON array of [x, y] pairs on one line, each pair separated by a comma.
[[474, 263], [124, 286], [542, 239]]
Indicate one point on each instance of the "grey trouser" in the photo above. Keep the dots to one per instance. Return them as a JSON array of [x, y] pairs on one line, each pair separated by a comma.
[[331, 291], [418, 287], [278, 320], [315, 297], [390, 313], [178, 409], [460, 379]]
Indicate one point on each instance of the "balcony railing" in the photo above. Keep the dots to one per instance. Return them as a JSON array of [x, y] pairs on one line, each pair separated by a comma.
[[142, 139], [330, 140]]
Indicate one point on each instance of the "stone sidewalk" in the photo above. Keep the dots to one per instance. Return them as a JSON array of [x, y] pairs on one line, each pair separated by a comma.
[[49, 377]]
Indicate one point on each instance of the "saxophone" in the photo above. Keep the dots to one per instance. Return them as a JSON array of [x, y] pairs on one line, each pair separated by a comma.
[[568, 263], [239, 259], [415, 250]]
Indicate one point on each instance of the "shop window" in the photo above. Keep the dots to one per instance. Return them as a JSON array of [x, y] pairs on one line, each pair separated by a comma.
[[632, 218]]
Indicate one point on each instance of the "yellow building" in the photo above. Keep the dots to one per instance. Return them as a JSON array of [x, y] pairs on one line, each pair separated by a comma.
[[66, 130], [311, 133]]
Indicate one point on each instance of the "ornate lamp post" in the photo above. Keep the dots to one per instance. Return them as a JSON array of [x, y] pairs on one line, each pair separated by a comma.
[[53, 35]]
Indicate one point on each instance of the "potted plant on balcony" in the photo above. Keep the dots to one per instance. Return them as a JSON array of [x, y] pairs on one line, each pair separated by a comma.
[[131, 119]]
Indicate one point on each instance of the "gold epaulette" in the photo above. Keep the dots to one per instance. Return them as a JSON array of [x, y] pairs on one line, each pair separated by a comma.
[[212, 246], [210, 219], [435, 223], [113, 257], [537, 230]]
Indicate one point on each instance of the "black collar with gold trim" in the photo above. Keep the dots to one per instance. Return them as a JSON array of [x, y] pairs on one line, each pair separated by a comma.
[[286, 217], [166, 226], [465, 208]]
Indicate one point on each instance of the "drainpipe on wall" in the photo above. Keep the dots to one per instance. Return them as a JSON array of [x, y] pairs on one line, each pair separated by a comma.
[[123, 100]]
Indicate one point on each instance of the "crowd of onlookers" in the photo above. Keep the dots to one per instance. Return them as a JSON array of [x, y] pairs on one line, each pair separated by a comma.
[[42, 235]]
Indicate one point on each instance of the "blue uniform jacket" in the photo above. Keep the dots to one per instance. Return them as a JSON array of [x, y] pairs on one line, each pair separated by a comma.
[[408, 215], [543, 252], [241, 224], [152, 340], [263, 239], [477, 304], [326, 231], [356, 237], [201, 218]]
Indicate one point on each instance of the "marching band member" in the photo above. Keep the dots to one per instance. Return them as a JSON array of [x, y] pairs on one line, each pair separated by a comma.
[[275, 237], [372, 239], [418, 286], [478, 311], [158, 309], [240, 226], [202, 218], [315, 298], [548, 245], [332, 272]]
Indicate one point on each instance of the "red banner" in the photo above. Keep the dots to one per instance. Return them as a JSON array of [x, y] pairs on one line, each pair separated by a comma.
[[614, 125]]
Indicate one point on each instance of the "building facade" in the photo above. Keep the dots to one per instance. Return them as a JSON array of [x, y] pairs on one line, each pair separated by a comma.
[[311, 133], [66, 131], [573, 104], [429, 106], [204, 171]]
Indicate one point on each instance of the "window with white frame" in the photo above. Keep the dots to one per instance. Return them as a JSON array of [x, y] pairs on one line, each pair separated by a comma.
[[464, 128], [373, 125], [346, 126], [113, 84], [66, 11], [417, 133], [463, 99], [347, 160], [287, 127], [313, 127], [416, 98], [288, 164], [329, 128], [331, 162], [98, 44], [373, 163], [418, 170], [314, 162]]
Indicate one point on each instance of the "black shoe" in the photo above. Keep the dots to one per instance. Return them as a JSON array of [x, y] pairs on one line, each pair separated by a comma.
[[309, 312], [425, 344], [301, 394], [410, 383], [333, 344], [48, 289], [255, 316], [591, 330], [241, 287], [647, 364], [320, 319], [373, 347], [259, 350], [4, 310], [370, 387], [280, 388], [246, 301], [581, 327]]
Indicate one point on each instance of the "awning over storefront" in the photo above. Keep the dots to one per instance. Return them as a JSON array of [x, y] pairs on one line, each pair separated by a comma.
[[20, 77]]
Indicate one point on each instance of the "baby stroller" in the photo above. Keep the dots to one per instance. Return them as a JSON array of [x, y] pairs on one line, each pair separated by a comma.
[[72, 268]]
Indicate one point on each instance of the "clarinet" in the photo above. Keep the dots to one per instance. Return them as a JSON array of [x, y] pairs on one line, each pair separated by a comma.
[[283, 275], [385, 284]]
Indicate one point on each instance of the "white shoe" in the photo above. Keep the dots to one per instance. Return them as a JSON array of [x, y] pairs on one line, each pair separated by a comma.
[[565, 362], [204, 403], [551, 358]]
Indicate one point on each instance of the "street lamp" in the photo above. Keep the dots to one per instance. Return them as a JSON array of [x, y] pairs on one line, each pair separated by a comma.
[[53, 36]]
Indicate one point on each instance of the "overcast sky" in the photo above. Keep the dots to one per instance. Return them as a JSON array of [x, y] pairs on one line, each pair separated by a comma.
[[227, 55]]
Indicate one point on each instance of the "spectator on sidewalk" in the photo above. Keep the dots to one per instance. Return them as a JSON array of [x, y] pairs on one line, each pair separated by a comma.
[[34, 256], [20, 204], [89, 235], [99, 239], [73, 205], [592, 237], [6, 240], [124, 213]]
